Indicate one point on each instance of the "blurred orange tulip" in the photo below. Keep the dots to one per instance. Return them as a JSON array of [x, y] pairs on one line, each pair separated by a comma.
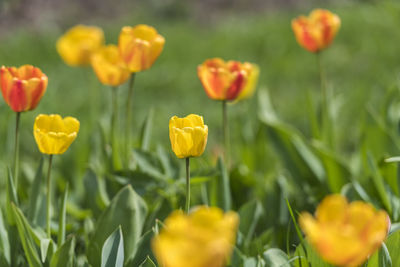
[[345, 234], [316, 31], [109, 67], [78, 44], [228, 80], [140, 46], [22, 87]]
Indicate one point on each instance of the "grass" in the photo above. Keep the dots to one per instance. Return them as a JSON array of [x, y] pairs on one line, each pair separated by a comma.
[[362, 72]]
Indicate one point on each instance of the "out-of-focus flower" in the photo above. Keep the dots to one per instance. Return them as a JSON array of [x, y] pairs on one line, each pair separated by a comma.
[[228, 80], [78, 44], [316, 31], [140, 46], [188, 135], [203, 238], [345, 234], [22, 87], [54, 134], [109, 67]]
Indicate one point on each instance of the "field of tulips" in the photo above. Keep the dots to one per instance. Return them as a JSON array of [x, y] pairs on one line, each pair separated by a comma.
[[269, 139]]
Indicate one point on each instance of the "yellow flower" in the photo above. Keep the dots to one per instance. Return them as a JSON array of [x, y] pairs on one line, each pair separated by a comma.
[[204, 238], [140, 46], [109, 67], [345, 234], [188, 135], [77, 45], [54, 134]]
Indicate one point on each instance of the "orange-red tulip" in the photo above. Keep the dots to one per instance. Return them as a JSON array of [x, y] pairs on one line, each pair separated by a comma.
[[22, 87], [316, 31], [227, 80], [140, 46], [345, 234]]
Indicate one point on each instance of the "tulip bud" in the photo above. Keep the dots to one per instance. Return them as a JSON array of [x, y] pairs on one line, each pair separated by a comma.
[[53, 134], [188, 135], [22, 87]]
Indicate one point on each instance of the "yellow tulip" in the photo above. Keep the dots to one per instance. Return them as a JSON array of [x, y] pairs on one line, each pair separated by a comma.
[[345, 234], [78, 44], [109, 67], [203, 238], [188, 135], [140, 46], [54, 134]]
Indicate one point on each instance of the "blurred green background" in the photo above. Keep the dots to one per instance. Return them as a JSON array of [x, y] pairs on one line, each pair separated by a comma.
[[362, 70]]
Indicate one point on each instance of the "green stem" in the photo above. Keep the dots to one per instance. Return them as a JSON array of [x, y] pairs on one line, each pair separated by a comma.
[[16, 150], [187, 184], [225, 132], [128, 117], [114, 116], [48, 218], [325, 123]]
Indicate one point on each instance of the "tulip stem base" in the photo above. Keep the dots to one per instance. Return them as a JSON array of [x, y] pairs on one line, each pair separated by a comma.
[[16, 150], [225, 130], [128, 113], [187, 184], [48, 215], [326, 129]]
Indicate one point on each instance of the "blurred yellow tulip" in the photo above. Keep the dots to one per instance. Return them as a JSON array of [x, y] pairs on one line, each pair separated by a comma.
[[231, 80], [54, 134], [140, 46], [316, 31], [203, 238], [345, 234], [188, 135], [109, 67], [78, 44]]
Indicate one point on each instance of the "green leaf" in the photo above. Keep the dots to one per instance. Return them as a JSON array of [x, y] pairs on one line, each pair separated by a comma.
[[62, 215], [250, 213], [379, 183], [148, 263], [45, 245], [308, 257], [276, 258], [127, 209], [149, 164], [384, 257], [11, 197], [336, 172], [224, 192], [112, 254], [4, 241], [145, 134], [26, 238], [35, 194], [393, 245], [65, 255]]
